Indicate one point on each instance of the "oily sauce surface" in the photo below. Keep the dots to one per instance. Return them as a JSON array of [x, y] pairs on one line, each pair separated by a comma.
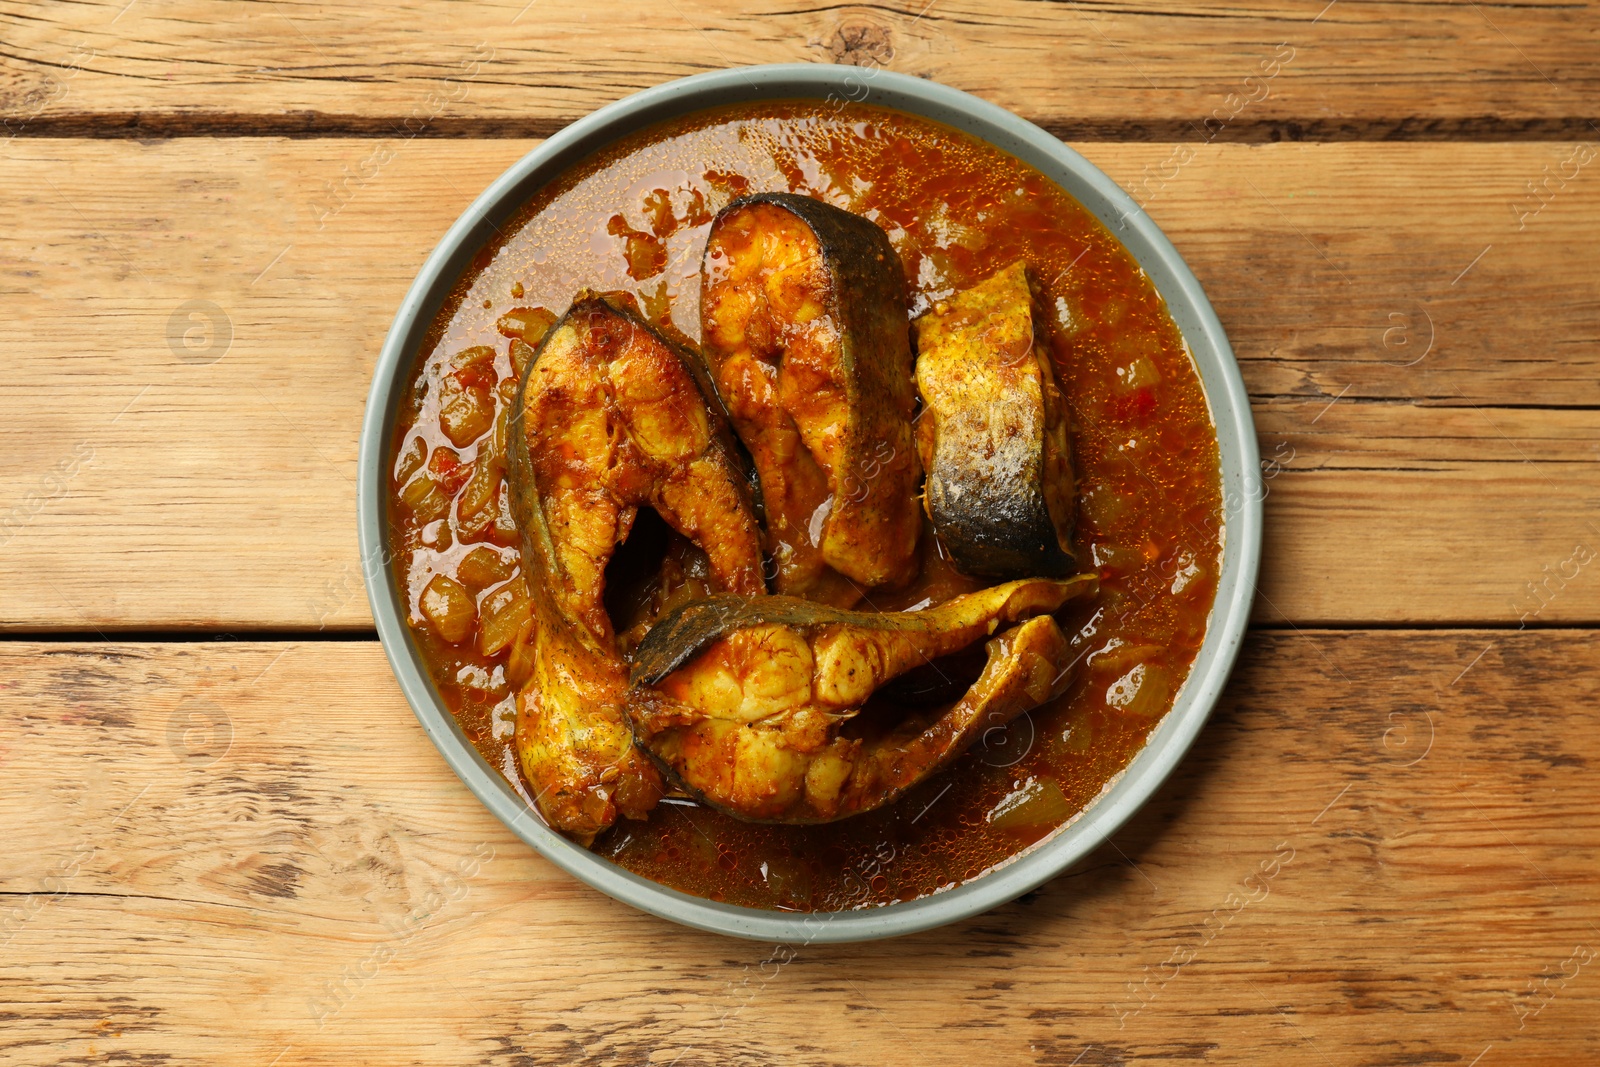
[[635, 219]]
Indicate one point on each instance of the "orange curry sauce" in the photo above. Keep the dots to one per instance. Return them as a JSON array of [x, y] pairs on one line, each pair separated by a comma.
[[635, 218]]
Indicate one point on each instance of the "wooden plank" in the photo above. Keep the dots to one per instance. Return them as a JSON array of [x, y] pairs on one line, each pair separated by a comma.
[[1429, 274], [154, 485], [1381, 850], [1258, 71], [1427, 514]]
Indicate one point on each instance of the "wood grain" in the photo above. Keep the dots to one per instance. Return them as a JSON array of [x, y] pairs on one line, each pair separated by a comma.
[[1394, 513], [1369, 70], [205, 866], [1382, 848], [1395, 388]]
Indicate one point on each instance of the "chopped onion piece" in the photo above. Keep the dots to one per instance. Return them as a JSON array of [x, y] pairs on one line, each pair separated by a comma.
[[1040, 802], [449, 608]]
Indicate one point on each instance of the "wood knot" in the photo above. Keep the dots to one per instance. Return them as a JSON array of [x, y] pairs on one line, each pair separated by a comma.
[[861, 44]]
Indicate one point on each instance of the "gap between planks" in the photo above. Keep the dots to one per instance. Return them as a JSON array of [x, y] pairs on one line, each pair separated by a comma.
[[1484, 129]]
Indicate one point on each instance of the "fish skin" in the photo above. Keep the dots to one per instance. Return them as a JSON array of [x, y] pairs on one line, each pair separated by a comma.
[[992, 434]]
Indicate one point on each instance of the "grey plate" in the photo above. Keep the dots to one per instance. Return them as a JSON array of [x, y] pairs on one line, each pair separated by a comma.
[[1213, 356]]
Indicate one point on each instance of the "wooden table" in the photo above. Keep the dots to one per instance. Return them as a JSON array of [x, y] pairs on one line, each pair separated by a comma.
[[223, 837]]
